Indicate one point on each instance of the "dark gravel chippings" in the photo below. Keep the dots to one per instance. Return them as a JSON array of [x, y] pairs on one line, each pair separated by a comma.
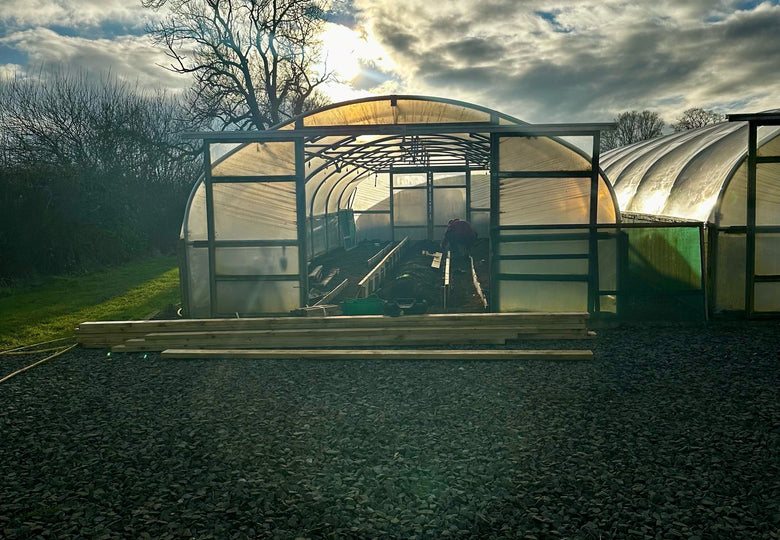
[[671, 432]]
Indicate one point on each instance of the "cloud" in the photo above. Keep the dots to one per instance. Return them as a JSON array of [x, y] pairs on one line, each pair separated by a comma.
[[72, 13], [586, 60], [131, 58]]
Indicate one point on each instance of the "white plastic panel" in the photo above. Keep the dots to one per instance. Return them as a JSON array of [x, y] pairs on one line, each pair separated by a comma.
[[198, 284], [449, 179], [256, 211], [532, 201], [406, 111], [733, 206], [255, 297], [660, 179], [543, 296], [768, 194], [767, 297], [409, 180], [538, 154], [768, 254], [410, 207], [480, 222], [257, 260], [372, 194], [195, 226], [544, 266], [607, 264], [730, 273], [372, 227], [448, 203], [480, 190], [698, 186], [258, 159]]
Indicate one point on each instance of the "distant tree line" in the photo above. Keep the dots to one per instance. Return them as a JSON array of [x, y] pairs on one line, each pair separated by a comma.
[[637, 126], [93, 171]]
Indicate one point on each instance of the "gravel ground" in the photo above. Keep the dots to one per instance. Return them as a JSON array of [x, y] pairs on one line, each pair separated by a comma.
[[670, 432]]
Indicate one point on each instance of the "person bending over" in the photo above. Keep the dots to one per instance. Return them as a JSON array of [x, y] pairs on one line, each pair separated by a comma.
[[460, 237]]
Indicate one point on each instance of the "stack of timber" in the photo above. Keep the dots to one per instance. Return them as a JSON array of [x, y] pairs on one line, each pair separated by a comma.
[[269, 335]]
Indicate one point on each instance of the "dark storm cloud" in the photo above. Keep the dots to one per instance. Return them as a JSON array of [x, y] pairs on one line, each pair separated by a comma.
[[398, 40], [577, 61], [473, 49]]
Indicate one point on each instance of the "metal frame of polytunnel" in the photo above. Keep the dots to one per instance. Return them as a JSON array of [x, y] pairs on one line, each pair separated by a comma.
[[752, 229], [339, 145]]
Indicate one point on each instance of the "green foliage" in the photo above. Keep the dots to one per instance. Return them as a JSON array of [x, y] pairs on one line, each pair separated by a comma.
[[92, 172], [32, 314]]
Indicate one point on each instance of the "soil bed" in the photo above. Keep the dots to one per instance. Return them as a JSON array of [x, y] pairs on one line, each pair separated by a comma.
[[672, 431]]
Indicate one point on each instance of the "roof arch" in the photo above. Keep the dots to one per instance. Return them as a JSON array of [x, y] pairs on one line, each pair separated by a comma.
[[694, 175], [337, 159]]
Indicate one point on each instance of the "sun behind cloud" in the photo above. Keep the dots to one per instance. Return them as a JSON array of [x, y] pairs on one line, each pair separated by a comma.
[[350, 53]]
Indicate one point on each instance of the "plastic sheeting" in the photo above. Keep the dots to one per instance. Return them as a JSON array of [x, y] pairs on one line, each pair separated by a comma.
[[345, 172], [701, 175], [686, 175]]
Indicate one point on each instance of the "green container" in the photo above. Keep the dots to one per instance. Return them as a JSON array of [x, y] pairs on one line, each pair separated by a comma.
[[362, 306]]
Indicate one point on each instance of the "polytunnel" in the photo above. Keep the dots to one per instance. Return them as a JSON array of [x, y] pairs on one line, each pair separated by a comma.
[[392, 167], [725, 180]]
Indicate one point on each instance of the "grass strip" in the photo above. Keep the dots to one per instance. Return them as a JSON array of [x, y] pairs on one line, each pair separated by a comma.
[[54, 308]]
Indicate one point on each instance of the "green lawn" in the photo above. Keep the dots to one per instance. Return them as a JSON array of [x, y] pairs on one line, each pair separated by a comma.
[[54, 309]]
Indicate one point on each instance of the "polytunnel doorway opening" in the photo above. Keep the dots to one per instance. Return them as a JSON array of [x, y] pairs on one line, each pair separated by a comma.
[[326, 182]]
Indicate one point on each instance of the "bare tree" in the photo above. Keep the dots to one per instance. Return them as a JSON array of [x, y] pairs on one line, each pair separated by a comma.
[[696, 117], [254, 62], [632, 127], [92, 170]]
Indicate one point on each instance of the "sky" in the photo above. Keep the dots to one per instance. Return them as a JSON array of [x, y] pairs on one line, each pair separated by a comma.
[[538, 60]]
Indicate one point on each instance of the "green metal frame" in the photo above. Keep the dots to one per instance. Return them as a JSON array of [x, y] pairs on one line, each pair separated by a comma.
[[592, 235], [751, 228]]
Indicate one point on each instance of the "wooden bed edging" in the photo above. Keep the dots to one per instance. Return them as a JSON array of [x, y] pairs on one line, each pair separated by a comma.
[[379, 354]]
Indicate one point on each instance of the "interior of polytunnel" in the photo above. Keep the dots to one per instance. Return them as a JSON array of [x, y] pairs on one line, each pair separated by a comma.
[[394, 167]]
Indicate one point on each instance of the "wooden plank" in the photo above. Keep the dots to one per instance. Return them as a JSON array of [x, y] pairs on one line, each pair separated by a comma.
[[273, 343], [354, 334], [477, 286], [370, 281], [335, 333], [332, 295], [379, 354], [433, 320], [317, 310], [333, 273], [371, 262], [316, 273]]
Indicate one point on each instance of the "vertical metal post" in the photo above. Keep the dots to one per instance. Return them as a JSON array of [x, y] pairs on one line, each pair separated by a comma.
[[210, 228], [392, 210], [184, 275], [594, 304], [750, 233], [495, 233], [429, 203], [468, 194], [300, 210], [703, 267]]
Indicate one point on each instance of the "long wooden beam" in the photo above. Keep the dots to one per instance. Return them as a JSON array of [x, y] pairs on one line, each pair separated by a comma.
[[378, 354], [438, 319]]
